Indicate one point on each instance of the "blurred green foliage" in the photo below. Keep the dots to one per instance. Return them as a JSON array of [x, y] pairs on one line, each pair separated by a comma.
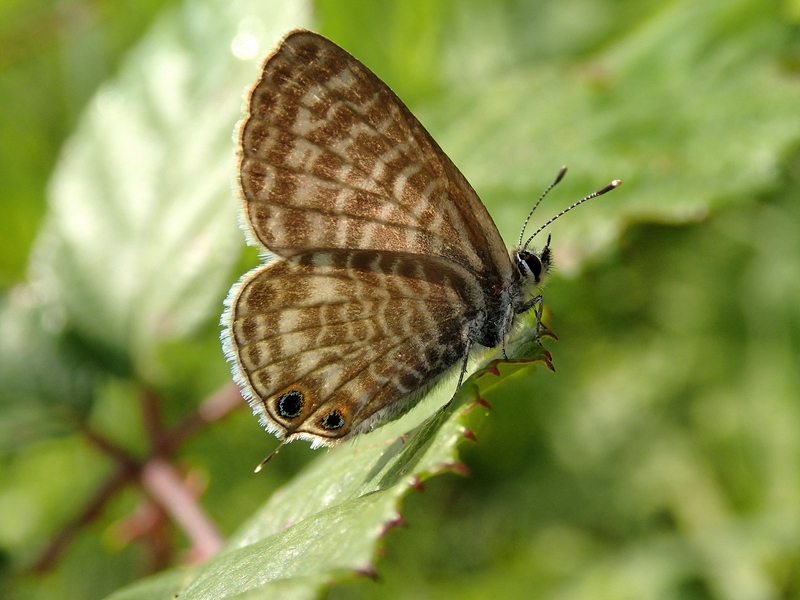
[[53, 56], [661, 460]]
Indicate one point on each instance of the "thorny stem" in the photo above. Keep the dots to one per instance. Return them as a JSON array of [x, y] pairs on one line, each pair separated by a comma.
[[166, 488], [110, 449], [148, 523], [159, 479], [151, 416]]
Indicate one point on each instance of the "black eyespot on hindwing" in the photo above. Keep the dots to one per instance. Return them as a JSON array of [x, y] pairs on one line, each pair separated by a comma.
[[333, 420], [290, 404]]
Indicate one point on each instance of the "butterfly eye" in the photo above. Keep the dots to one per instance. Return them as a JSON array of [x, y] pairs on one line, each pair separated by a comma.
[[333, 420], [290, 404], [533, 263]]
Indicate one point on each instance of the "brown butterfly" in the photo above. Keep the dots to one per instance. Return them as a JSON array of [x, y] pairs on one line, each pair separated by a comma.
[[383, 266]]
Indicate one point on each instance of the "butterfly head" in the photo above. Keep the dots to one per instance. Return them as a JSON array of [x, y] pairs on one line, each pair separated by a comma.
[[533, 265]]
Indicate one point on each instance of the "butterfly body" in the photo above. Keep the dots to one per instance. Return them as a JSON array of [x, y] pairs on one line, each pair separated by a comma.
[[384, 268]]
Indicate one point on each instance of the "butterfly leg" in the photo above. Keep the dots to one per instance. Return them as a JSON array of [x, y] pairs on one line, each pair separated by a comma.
[[507, 320], [463, 370], [539, 309], [536, 304]]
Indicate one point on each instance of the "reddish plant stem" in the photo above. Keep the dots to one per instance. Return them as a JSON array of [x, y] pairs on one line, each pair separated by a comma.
[[151, 416], [119, 455], [158, 478], [166, 488], [161, 547]]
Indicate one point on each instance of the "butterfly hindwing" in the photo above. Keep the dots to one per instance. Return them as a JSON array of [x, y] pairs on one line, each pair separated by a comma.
[[329, 343]]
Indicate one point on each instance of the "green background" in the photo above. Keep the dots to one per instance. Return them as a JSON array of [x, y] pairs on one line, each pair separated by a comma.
[[660, 460]]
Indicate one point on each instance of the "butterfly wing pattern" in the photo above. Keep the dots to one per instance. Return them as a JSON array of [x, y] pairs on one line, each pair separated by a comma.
[[383, 265]]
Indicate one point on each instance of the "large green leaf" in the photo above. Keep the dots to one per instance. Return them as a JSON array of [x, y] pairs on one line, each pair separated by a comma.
[[325, 525], [141, 231]]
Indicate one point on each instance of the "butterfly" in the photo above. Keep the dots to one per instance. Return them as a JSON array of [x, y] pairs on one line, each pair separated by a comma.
[[383, 267]]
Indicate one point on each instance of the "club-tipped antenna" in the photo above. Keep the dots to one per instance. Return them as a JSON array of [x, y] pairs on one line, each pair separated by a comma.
[[558, 178], [269, 456], [604, 190]]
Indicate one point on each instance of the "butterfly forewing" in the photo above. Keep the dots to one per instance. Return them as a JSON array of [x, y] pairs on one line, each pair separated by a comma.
[[331, 158]]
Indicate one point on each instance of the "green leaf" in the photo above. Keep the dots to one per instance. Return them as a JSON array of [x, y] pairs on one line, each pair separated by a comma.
[[141, 231], [325, 525], [164, 585]]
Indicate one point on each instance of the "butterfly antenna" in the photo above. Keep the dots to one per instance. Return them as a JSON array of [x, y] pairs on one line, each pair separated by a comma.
[[558, 178], [604, 190], [269, 457]]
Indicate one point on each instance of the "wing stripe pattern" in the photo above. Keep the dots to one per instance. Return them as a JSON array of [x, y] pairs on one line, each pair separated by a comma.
[[326, 131], [386, 262], [341, 356]]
